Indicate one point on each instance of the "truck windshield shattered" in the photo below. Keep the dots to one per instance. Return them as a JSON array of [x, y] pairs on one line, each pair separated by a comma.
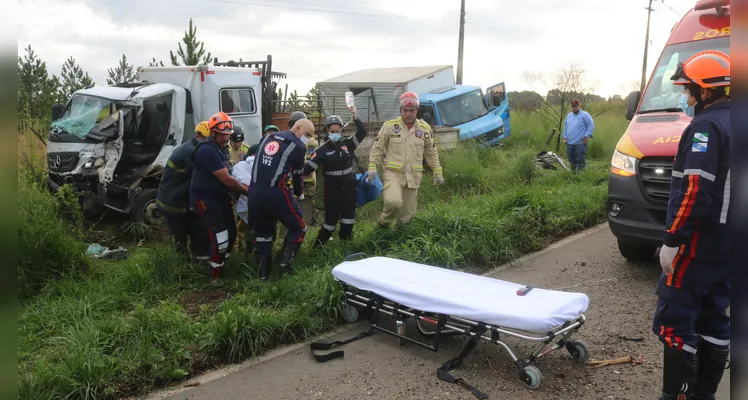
[[85, 117], [461, 109]]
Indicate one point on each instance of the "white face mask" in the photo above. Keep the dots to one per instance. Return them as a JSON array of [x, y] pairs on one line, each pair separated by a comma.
[[304, 139]]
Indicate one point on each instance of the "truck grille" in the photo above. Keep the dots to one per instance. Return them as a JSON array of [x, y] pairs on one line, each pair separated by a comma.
[[654, 175], [62, 162], [492, 134]]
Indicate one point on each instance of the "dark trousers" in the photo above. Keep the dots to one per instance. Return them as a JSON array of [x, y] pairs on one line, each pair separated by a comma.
[[218, 219], [267, 206], [693, 301], [187, 227], [340, 205], [577, 154]]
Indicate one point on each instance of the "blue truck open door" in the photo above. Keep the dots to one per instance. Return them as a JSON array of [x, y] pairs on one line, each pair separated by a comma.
[[497, 102]]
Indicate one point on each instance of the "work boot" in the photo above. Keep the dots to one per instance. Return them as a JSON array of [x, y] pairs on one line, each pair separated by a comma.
[[265, 265], [678, 374], [712, 362], [289, 253], [322, 237]]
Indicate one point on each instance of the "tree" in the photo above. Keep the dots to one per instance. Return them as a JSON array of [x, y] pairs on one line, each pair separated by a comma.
[[525, 102], [36, 89], [193, 53], [566, 84], [73, 79], [155, 63], [123, 73]]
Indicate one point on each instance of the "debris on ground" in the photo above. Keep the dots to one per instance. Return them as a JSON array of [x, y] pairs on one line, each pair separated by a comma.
[[96, 250], [615, 361]]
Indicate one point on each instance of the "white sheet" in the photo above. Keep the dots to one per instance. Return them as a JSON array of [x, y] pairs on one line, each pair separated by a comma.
[[242, 172], [474, 297]]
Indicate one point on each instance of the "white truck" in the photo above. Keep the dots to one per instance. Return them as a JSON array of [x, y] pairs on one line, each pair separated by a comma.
[[111, 143]]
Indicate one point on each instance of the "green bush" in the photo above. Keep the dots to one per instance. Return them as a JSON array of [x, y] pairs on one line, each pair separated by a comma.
[[49, 247]]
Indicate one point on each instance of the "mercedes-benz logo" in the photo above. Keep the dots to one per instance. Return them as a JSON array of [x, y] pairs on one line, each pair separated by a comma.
[[58, 162]]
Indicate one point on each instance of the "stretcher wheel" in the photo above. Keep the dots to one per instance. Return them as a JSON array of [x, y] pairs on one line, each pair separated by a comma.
[[533, 378], [350, 313], [579, 350]]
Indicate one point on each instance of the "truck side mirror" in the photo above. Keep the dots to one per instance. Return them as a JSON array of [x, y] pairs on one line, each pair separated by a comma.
[[56, 111], [632, 101]]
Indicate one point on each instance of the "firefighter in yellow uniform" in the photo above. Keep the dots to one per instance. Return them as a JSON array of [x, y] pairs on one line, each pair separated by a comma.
[[401, 146], [238, 150]]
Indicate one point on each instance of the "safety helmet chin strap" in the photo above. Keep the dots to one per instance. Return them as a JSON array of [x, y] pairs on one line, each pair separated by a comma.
[[695, 90]]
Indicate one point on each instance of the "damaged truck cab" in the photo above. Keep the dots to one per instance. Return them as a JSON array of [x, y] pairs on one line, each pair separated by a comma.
[[110, 144], [477, 116]]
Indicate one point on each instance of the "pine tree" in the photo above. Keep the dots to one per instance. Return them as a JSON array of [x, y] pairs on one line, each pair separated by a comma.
[[37, 91], [73, 79], [193, 52], [123, 73], [155, 63]]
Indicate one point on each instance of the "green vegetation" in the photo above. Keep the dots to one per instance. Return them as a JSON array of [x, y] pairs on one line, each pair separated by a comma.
[[104, 329]]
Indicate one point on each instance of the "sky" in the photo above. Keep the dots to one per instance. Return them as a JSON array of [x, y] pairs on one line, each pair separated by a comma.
[[314, 40]]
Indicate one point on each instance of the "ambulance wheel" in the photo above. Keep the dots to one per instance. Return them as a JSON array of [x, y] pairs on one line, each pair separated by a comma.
[[636, 253], [579, 350], [350, 313], [533, 378]]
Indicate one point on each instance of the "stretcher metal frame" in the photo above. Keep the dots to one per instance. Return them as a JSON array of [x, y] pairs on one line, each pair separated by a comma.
[[446, 325]]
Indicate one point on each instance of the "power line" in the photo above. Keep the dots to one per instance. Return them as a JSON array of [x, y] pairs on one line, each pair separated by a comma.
[[331, 11]]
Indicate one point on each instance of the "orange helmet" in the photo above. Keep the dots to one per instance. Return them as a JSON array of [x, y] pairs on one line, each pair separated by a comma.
[[220, 122], [409, 99], [708, 69]]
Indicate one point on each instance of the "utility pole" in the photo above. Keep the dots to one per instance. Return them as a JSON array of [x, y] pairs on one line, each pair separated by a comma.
[[646, 49], [461, 44]]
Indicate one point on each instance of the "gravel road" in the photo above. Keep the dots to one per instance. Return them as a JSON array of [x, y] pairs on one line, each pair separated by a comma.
[[622, 301]]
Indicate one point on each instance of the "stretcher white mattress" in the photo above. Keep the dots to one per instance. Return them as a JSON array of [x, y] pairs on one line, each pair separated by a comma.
[[459, 294]]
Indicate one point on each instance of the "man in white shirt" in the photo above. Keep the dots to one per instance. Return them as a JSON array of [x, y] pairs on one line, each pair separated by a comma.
[[242, 172]]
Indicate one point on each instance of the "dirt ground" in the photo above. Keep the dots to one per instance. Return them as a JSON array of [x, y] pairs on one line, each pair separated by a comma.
[[622, 300]]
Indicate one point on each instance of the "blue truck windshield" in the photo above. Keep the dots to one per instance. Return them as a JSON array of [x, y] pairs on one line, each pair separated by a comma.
[[461, 109], [661, 94]]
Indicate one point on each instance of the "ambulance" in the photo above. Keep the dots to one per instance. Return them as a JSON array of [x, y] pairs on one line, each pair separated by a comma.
[[641, 167]]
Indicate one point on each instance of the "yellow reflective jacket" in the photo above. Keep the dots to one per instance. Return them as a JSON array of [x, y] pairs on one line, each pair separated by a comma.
[[400, 149]]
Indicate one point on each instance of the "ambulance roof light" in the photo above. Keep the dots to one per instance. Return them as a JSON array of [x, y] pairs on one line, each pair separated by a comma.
[[707, 4]]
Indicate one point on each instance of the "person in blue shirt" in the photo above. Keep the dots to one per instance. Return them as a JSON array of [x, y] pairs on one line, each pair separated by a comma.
[[173, 198], [211, 187], [280, 156], [691, 317], [578, 128]]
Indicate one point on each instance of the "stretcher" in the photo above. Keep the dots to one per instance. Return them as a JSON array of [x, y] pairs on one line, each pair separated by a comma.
[[444, 302]]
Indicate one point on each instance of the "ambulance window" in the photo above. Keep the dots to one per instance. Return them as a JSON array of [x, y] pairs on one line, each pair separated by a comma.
[[238, 101], [661, 94]]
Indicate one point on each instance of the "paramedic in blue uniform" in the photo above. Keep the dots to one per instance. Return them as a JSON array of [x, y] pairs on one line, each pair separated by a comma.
[[336, 159], [211, 187], [173, 199], [578, 127], [280, 156], [694, 289]]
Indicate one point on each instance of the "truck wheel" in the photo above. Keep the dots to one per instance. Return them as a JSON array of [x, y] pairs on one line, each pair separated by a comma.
[[144, 208], [633, 252]]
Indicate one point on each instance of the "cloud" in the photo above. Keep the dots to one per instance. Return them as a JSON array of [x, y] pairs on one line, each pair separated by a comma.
[[502, 37]]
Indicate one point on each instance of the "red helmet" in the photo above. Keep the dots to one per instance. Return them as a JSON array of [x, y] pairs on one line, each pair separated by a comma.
[[220, 122], [409, 99]]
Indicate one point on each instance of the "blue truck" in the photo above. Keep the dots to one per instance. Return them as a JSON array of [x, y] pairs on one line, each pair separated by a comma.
[[478, 115]]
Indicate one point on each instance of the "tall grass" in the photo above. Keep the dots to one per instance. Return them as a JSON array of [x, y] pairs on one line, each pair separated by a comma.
[[106, 329]]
